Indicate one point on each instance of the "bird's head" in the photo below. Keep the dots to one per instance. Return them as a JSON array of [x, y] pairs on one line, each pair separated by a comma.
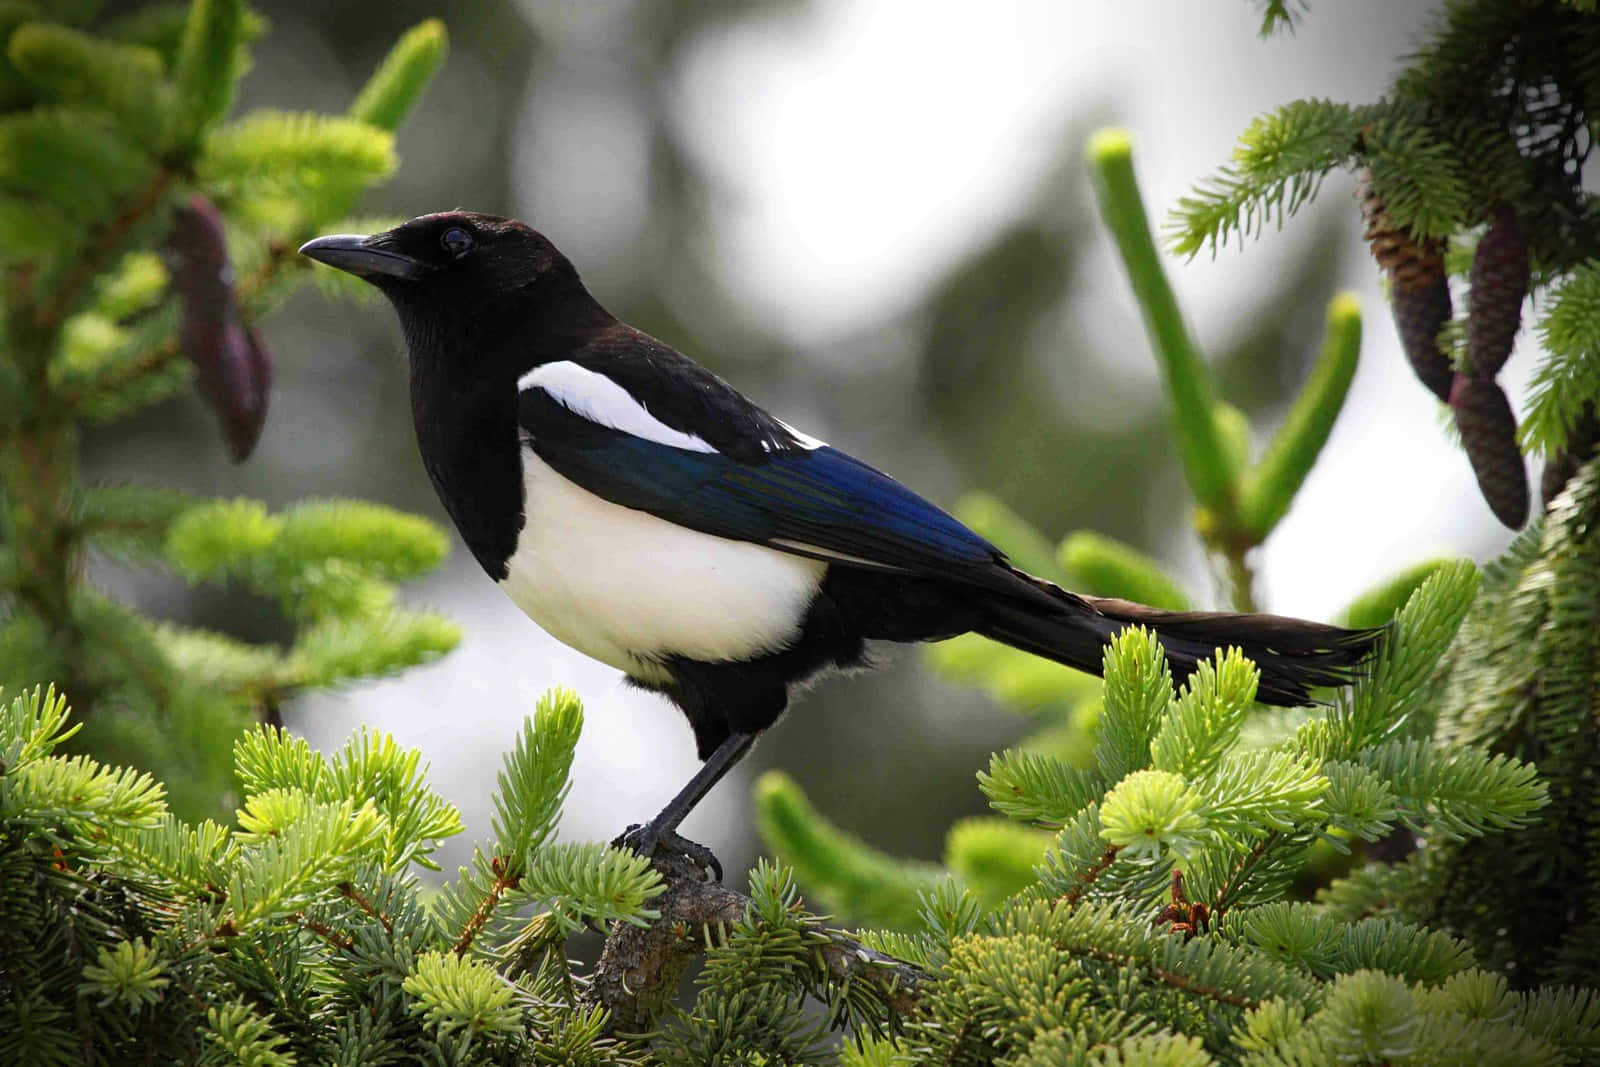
[[459, 255], [458, 276]]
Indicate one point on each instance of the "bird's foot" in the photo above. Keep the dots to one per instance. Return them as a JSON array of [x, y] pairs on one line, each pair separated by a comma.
[[647, 841]]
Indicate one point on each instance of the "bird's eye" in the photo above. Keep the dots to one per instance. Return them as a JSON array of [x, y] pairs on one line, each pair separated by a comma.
[[456, 241]]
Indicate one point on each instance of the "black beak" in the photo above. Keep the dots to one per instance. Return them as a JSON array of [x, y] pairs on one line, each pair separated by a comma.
[[359, 256]]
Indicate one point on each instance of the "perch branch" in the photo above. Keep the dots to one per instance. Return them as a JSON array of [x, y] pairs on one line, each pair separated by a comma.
[[640, 967]]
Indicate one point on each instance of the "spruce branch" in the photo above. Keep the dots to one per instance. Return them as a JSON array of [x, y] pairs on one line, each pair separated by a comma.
[[640, 967], [73, 159], [1279, 15], [1137, 695], [398, 82], [1035, 788], [455, 994], [1567, 381], [207, 63], [1203, 967], [1278, 166], [1087, 878], [1205, 719], [1238, 878], [113, 120], [339, 941], [504, 880], [121, 79], [84, 396], [1405, 671], [350, 893]]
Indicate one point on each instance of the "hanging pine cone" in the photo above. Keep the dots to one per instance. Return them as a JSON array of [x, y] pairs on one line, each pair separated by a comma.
[[1560, 468], [242, 377], [1489, 434], [232, 367], [1499, 282], [1419, 289]]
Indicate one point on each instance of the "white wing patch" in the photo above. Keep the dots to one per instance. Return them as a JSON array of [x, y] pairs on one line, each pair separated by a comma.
[[804, 440], [599, 399]]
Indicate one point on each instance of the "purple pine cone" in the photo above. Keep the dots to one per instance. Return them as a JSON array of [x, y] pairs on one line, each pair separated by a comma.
[[1489, 434], [232, 367], [1500, 275]]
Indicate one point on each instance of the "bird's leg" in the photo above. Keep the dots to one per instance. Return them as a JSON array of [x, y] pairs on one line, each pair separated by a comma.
[[662, 830]]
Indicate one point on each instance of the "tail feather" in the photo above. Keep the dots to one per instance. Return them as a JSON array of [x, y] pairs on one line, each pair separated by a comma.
[[1294, 656]]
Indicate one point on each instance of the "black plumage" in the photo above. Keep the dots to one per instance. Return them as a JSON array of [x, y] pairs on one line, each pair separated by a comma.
[[514, 366]]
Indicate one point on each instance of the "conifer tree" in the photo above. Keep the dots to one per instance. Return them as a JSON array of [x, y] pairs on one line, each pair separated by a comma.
[[1471, 170], [1142, 894], [143, 234], [1516, 890], [1153, 928], [299, 934]]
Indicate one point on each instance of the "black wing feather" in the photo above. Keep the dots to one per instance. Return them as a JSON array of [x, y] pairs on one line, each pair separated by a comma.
[[816, 501], [684, 395]]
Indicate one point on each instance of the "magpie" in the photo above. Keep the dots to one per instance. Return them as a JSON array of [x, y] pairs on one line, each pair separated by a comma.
[[644, 512]]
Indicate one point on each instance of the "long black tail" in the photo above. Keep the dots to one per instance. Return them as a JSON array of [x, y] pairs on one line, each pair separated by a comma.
[[1294, 656]]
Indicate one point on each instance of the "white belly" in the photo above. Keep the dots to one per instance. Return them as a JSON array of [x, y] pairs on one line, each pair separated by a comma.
[[624, 586]]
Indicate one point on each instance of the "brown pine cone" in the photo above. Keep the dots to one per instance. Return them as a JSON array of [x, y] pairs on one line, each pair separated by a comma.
[[1489, 434], [1499, 282], [1419, 289], [1419, 315], [243, 377], [1560, 468], [197, 259], [232, 367]]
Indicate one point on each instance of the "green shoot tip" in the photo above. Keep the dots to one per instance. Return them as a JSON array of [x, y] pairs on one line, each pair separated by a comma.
[[774, 786], [431, 35], [1344, 307], [1110, 145]]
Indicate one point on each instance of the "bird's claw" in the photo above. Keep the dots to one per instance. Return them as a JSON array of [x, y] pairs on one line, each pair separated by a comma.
[[648, 841]]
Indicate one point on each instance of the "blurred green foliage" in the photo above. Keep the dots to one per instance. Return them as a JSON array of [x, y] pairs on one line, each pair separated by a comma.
[[111, 130]]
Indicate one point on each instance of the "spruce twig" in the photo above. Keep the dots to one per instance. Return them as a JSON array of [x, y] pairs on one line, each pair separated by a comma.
[[350, 893], [505, 880], [1088, 877], [640, 967], [1238, 877]]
